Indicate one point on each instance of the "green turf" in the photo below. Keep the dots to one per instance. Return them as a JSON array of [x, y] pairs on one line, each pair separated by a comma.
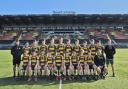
[[118, 82]]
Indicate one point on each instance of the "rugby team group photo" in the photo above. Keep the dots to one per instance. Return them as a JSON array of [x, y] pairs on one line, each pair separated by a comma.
[[64, 44], [66, 61]]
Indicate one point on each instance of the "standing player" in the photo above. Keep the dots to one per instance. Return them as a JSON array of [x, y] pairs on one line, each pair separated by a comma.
[[92, 47], [77, 47], [26, 48], [100, 47], [61, 48], [52, 47], [44, 47], [35, 47], [85, 48], [68, 48]]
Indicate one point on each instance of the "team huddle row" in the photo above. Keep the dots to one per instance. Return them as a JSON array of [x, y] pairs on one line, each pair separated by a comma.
[[65, 61]]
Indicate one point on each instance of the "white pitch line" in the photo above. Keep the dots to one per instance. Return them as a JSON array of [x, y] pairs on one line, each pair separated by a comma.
[[60, 84]]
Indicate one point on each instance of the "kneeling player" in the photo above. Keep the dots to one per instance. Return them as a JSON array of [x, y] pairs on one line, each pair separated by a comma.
[[71, 71], [50, 65], [67, 60], [99, 61], [81, 64], [86, 70], [42, 62], [60, 67], [74, 60]]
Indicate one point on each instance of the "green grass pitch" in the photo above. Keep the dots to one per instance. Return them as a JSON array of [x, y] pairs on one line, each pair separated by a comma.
[[118, 82]]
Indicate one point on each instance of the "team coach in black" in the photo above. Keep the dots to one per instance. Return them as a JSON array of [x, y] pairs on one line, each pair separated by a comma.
[[16, 52], [110, 51]]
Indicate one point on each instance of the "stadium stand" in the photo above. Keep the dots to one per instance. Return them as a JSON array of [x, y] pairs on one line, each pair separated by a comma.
[[84, 27]]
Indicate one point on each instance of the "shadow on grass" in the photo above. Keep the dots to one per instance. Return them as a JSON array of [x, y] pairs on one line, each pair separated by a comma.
[[20, 81], [78, 81]]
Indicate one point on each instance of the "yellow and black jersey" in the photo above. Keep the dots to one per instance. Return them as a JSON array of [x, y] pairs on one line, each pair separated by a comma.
[[82, 59], [26, 49], [25, 60], [34, 60], [93, 49], [35, 49], [77, 49], [90, 59], [42, 60], [74, 59], [68, 49], [67, 60], [61, 49], [85, 50], [44, 48], [50, 60], [52, 49], [58, 60]]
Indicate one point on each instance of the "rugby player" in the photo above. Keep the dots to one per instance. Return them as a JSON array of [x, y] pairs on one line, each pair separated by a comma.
[[61, 47], [52, 47], [68, 47], [44, 47], [99, 61], [25, 63], [34, 64]]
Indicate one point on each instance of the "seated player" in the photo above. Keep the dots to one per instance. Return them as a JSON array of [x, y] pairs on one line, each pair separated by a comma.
[[92, 67], [63, 70], [99, 61], [74, 60], [71, 71], [81, 64], [34, 65], [42, 62], [25, 63], [50, 65], [86, 70], [67, 60], [58, 63]]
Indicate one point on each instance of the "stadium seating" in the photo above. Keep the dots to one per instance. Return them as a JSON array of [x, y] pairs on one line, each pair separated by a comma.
[[98, 34]]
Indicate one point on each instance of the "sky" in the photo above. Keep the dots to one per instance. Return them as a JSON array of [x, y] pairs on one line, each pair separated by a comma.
[[17, 7]]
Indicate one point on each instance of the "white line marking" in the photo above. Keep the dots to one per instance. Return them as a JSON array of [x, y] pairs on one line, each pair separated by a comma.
[[60, 84]]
